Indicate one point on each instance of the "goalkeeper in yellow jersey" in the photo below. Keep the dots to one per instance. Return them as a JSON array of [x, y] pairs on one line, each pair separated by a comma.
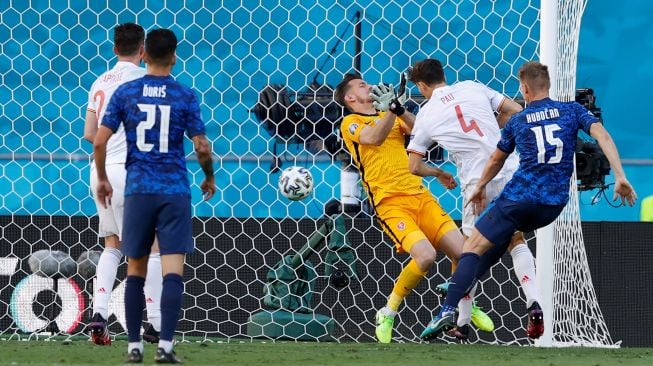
[[374, 133]]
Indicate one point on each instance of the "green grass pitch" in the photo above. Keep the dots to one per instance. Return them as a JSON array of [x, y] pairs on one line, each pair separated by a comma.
[[234, 353]]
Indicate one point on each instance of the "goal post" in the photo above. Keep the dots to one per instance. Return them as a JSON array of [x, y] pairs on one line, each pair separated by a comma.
[[545, 236], [572, 316]]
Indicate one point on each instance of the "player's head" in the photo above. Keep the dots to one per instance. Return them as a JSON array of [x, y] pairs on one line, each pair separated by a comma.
[[160, 47], [426, 74], [534, 80], [353, 92], [128, 39]]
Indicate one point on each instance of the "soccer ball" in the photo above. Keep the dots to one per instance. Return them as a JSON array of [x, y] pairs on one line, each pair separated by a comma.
[[296, 183]]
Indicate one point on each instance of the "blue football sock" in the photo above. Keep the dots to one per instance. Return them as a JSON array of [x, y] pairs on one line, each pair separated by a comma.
[[171, 296], [134, 305], [461, 280], [490, 258]]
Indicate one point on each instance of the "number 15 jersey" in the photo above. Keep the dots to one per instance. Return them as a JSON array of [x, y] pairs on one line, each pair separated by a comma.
[[460, 117], [545, 134], [156, 112]]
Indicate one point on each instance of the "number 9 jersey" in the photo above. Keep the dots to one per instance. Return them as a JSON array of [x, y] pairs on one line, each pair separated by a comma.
[[156, 111]]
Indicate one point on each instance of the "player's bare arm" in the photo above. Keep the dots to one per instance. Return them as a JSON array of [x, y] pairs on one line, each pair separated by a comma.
[[376, 135], [417, 166], [507, 108], [90, 126], [203, 151], [104, 189], [622, 188], [492, 168]]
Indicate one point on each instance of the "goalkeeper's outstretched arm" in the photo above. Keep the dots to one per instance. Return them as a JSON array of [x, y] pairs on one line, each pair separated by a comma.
[[376, 135], [408, 121]]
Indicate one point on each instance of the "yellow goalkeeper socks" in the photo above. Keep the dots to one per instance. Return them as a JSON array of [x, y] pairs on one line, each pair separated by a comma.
[[406, 282]]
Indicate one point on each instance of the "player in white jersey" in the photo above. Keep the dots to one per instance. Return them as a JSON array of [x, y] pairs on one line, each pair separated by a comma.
[[461, 118], [128, 46]]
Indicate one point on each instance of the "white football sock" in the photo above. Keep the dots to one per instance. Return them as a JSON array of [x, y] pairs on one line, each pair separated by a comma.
[[152, 289], [465, 308], [107, 268], [524, 266], [135, 345], [388, 312], [166, 345]]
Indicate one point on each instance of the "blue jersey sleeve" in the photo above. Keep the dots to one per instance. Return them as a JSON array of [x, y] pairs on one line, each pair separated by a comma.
[[507, 142], [114, 113], [195, 125], [584, 117]]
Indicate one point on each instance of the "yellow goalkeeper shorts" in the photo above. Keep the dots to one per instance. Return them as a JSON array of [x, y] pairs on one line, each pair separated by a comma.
[[409, 219]]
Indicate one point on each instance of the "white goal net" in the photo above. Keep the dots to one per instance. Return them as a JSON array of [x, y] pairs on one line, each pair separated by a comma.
[[263, 71]]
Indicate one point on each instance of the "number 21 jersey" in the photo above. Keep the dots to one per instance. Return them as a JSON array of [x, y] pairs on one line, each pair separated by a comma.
[[156, 111]]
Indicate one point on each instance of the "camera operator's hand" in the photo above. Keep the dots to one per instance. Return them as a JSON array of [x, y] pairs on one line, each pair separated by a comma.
[[381, 96]]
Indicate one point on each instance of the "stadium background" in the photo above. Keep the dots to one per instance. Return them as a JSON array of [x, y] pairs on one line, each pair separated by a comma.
[[53, 51]]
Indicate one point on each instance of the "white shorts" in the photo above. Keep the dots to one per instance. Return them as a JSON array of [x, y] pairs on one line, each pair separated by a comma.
[[492, 190], [111, 217]]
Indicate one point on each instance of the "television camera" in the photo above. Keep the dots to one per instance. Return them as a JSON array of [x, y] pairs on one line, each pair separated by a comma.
[[591, 163]]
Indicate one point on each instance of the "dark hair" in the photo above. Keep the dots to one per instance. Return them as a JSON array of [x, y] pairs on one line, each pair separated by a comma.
[[160, 46], [428, 71], [535, 75], [343, 87], [128, 38]]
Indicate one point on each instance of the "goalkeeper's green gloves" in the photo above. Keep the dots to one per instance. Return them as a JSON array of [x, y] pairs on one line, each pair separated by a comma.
[[385, 98], [381, 96]]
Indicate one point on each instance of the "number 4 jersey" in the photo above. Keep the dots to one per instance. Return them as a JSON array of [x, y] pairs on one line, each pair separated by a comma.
[[545, 135], [460, 117], [156, 111]]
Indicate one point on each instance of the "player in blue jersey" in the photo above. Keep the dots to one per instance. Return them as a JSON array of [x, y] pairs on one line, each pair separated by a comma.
[[545, 134], [155, 111]]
